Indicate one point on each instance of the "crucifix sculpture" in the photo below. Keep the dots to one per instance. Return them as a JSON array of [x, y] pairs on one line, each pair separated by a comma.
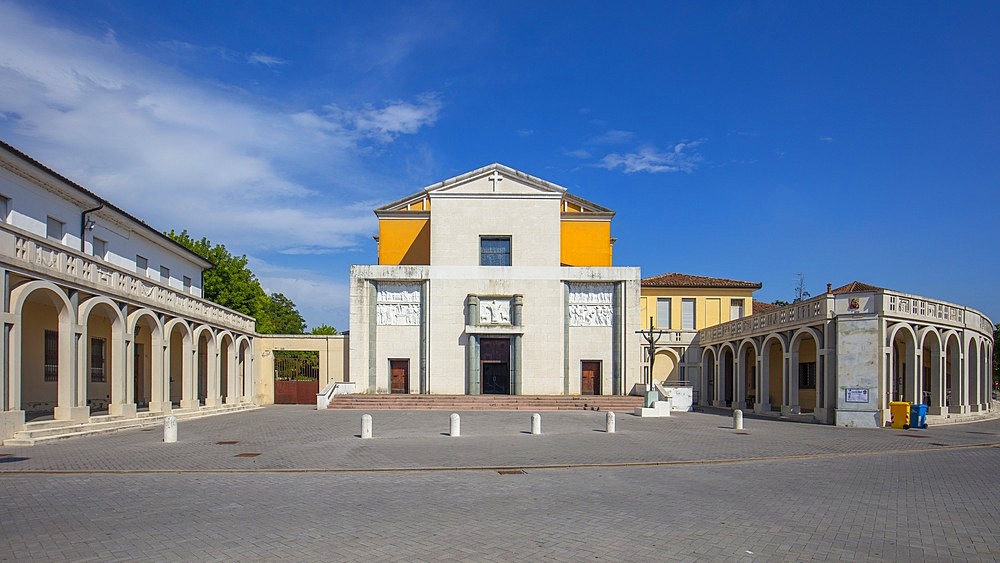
[[652, 338]]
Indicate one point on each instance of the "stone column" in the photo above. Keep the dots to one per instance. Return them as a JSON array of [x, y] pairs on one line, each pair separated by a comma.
[[740, 381], [425, 386], [517, 379], [471, 366]]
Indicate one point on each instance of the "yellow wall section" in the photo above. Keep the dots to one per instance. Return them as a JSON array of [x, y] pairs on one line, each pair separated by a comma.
[[711, 305], [404, 242], [586, 243]]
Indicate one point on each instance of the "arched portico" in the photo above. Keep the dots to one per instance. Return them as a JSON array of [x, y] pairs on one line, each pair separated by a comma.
[[932, 370], [102, 355], [178, 365], [726, 383], [665, 368], [772, 373], [42, 364], [147, 383], [804, 382], [747, 383], [207, 358], [229, 389], [901, 379], [708, 370], [245, 371]]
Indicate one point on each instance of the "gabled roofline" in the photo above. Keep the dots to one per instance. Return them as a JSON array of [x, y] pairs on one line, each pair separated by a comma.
[[535, 181], [98, 200]]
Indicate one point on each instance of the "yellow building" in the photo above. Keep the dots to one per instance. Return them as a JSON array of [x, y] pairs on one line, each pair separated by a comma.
[[680, 305]]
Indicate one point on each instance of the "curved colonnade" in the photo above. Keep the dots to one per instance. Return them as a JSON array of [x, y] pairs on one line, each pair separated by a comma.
[[787, 361]]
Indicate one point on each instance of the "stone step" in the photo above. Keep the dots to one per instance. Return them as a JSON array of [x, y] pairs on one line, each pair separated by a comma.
[[485, 402], [50, 430]]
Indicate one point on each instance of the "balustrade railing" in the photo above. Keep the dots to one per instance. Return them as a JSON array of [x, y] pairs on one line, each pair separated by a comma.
[[785, 317], [59, 261]]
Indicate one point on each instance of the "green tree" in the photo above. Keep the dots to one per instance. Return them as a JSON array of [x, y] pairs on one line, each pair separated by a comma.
[[230, 283], [323, 329], [283, 316]]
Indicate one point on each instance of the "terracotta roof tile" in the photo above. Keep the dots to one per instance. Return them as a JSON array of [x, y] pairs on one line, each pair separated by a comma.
[[687, 280], [855, 286], [764, 307]]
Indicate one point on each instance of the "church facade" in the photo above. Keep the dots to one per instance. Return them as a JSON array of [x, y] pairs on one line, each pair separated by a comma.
[[494, 282]]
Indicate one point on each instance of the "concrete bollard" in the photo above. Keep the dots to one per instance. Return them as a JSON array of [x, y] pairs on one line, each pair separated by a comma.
[[610, 422], [456, 425], [170, 429], [737, 419], [366, 426], [536, 423]]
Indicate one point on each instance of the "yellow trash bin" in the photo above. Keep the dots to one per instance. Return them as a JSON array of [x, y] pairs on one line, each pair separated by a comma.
[[899, 413]]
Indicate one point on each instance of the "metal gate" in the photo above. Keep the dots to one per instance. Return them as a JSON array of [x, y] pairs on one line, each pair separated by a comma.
[[296, 378]]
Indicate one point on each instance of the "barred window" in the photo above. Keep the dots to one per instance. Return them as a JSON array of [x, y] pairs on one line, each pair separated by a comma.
[[494, 251]]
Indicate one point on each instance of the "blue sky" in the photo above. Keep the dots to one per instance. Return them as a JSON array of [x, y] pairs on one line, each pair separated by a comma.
[[750, 140]]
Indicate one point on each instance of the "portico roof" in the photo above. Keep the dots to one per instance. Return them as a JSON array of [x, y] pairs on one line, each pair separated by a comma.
[[856, 286], [688, 280]]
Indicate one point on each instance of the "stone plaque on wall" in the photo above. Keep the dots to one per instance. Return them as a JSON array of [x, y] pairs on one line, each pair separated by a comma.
[[590, 304], [397, 304], [494, 311]]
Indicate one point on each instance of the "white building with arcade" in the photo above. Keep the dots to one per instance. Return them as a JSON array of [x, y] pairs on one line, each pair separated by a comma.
[[103, 316]]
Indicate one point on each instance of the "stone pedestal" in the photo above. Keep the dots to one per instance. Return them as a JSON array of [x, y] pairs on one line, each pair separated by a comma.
[[124, 411], [10, 422], [160, 406], [72, 413], [659, 408], [189, 404]]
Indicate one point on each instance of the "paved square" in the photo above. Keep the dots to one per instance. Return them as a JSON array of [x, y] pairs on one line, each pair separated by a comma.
[[683, 488]]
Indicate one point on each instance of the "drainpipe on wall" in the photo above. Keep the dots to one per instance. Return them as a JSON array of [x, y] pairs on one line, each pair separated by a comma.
[[83, 226]]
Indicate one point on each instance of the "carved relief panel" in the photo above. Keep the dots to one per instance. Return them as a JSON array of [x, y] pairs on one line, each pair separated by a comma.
[[590, 304], [397, 304], [494, 311]]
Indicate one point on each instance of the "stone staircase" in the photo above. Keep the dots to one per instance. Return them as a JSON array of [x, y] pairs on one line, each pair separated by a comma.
[[49, 430], [486, 402]]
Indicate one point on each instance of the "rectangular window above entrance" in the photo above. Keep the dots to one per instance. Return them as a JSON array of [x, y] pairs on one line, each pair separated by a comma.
[[494, 251]]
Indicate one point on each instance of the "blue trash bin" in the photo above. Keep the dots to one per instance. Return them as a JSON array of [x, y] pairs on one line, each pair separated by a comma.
[[918, 416]]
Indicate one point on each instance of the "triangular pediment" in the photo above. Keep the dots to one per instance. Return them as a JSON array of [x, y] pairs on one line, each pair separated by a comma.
[[494, 180]]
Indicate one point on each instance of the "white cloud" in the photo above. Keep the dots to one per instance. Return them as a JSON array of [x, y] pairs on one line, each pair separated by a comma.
[[681, 158], [383, 124], [230, 167], [266, 60], [613, 137], [827, 139], [319, 299]]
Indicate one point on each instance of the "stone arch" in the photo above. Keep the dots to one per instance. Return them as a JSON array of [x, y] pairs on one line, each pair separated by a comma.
[[229, 391], [772, 352], [244, 346], [954, 374], [145, 374], [973, 369], [178, 363], [42, 308], [901, 381], [986, 369], [666, 366], [206, 357], [931, 373], [708, 364], [804, 382], [727, 375], [102, 356], [747, 384]]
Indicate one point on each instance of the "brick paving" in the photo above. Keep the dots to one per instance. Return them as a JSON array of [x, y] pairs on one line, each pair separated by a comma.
[[684, 488]]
